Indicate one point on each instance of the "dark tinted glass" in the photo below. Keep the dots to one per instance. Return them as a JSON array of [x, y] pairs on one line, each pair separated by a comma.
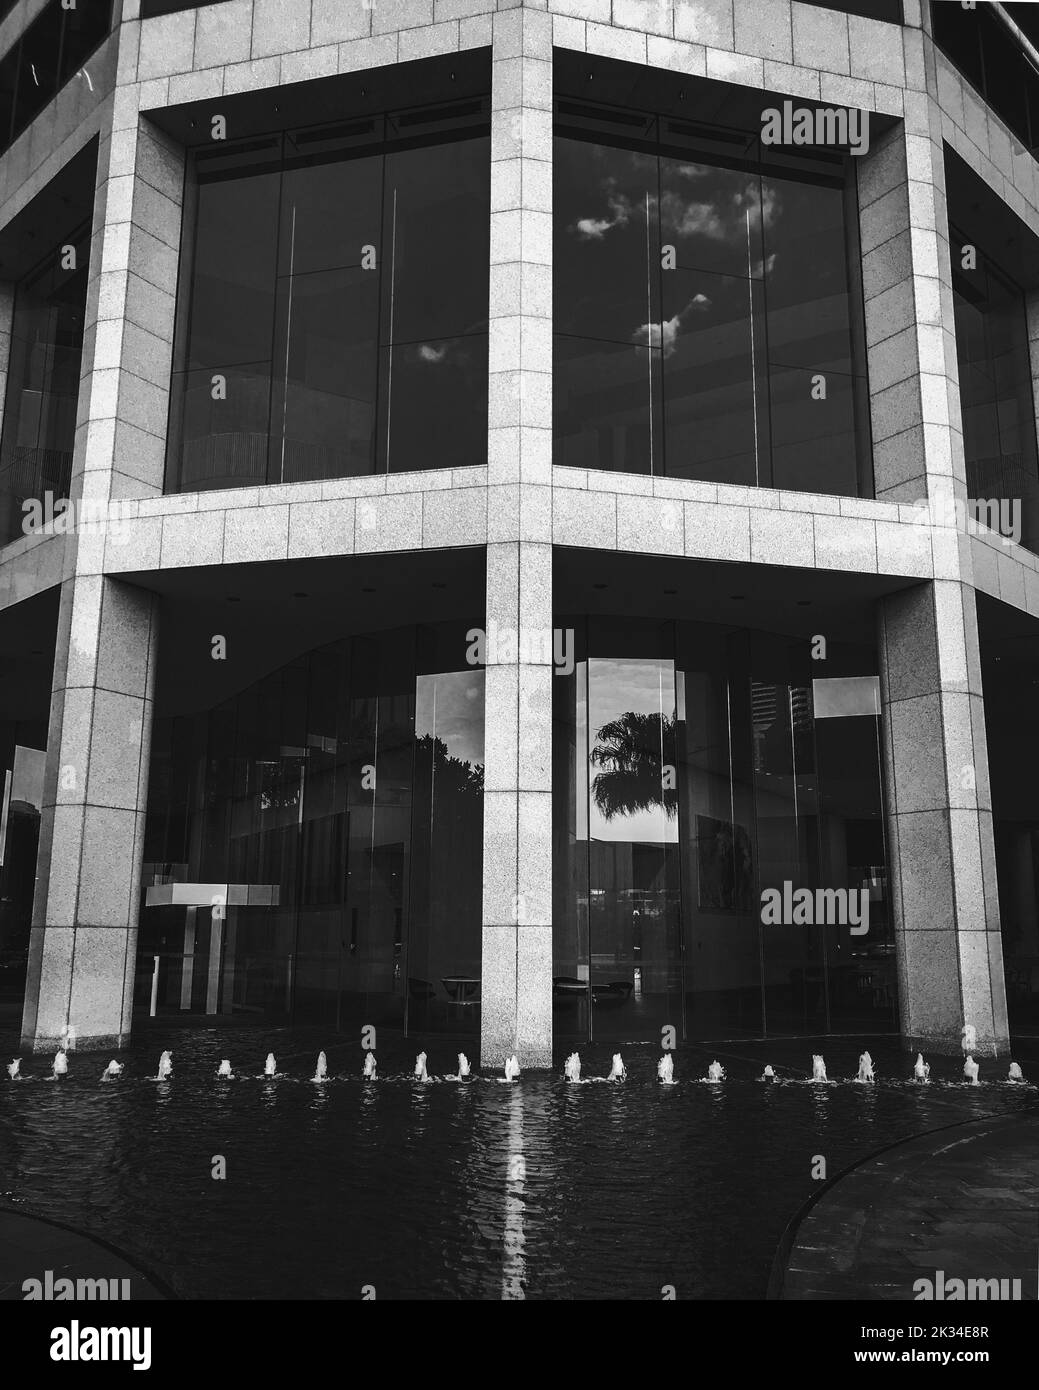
[[983, 49], [339, 285], [693, 769], [84, 29], [703, 308], [343, 800], [50, 51], [38, 66], [43, 382], [996, 400]]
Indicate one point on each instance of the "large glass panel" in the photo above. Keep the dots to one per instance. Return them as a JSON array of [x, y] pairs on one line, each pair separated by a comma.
[[606, 383], [340, 801], [220, 396], [43, 382], [720, 902], [336, 305], [686, 792], [633, 876], [705, 321], [999, 437], [716, 419], [811, 356], [38, 66], [860, 966], [444, 947], [433, 366]]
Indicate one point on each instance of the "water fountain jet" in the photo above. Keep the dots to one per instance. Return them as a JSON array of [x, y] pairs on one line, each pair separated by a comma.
[[818, 1068], [61, 1064], [321, 1072], [572, 1067], [512, 1068], [270, 1067], [865, 1068], [463, 1066], [113, 1069], [768, 1074], [165, 1066], [13, 1069], [921, 1070], [970, 1071], [716, 1072], [369, 1066], [618, 1071], [1016, 1074], [420, 1067], [224, 1069]]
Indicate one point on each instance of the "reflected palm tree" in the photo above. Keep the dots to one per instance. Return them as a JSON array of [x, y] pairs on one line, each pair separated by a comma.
[[634, 755]]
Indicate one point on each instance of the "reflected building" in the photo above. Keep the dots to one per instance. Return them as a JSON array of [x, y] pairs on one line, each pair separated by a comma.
[[507, 520]]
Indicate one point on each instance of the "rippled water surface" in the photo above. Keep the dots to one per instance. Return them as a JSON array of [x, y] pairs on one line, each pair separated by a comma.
[[473, 1190]]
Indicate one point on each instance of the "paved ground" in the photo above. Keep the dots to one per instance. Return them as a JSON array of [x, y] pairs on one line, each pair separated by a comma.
[[29, 1247], [964, 1200]]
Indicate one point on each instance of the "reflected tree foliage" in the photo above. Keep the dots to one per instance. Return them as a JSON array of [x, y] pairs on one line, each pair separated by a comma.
[[633, 758]]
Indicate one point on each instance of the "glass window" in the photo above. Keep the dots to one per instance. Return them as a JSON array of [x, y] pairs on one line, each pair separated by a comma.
[[984, 51], [50, 51], [43, 382], [339, 287], [703, 306], [342, 797], [996, 399], [691, 774]]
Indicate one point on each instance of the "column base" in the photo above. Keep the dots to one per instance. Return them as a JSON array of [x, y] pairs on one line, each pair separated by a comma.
[[948, 1046], [98, 1042]]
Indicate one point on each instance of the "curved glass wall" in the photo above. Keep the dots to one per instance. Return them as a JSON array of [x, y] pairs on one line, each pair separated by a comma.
[[696, 768], [333, 303], [707, 306], [338, 805]]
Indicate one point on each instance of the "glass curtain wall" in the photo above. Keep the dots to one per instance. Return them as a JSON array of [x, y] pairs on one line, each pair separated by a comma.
[[999, 437], [341, 801], [706, 306], [43, 382], [333, 306], [695, 768]]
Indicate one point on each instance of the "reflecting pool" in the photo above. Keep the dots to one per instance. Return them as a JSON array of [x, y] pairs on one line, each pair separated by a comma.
[[472, 1189]]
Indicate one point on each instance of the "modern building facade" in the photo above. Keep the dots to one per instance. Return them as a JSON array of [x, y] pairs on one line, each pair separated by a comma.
[[493, 543]]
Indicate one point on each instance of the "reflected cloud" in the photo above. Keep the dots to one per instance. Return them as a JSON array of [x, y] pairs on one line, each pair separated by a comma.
[[595, 228], [665, 335]]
